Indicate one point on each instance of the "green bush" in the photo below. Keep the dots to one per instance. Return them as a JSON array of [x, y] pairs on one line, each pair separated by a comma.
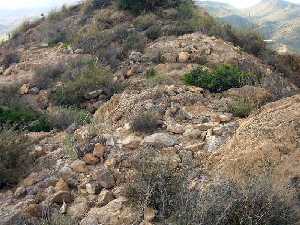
[[139, 6], [185, 10], [23, 117], [241, 107], [73, 92], [15, 160], [221, 79], [62, 118], [146, 123]]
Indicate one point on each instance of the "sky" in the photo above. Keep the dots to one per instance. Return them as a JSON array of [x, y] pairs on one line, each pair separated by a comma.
[[26, 4], [30, 4]]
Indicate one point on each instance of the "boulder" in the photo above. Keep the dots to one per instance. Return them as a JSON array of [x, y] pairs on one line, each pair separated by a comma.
[[149, 214], [24, 89], [183, 57], [105, 178], [78, 208], [20, 192], [33, 210], [61, 185], [175, 128], [114, 213], [162, 139], [90, 159], [104, 198], [131, 142], [61, 197], [99, 151], [256, 94], [79, 166], [65, 172]]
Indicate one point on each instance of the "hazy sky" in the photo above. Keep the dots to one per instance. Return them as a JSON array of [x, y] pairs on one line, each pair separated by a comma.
[[18, 4]]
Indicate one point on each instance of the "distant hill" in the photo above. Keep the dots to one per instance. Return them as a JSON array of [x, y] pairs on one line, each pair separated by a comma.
[[278, 20]]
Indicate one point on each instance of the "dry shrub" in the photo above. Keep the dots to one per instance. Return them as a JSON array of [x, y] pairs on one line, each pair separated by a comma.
[[15, 159], [62, 118], [221, 202], [146, 122], [46, 75], [8, 57]]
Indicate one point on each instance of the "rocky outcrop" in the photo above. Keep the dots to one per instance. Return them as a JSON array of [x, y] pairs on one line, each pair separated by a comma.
[[268, 143], [114, 213]]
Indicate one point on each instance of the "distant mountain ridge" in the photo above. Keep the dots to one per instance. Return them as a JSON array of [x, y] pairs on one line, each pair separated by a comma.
[[278, 20]]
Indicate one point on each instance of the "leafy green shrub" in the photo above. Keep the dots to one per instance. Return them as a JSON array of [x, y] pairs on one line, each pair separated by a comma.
[[23, 117], [45, 76], [221, 79], [185, 10], [15, 160], [17, 113], [241, 107], [73, 92], [62, 118], [138, 6], [146, 123]]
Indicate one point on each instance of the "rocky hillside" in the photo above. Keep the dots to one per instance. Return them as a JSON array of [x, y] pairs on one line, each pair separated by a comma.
[[277, 20], [114, 113]]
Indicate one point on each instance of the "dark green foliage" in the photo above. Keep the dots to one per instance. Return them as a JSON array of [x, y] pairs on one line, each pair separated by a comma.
[[185, 10], [15, 161], [241, 107], [221, 79], [146, 123], [23, 117]]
